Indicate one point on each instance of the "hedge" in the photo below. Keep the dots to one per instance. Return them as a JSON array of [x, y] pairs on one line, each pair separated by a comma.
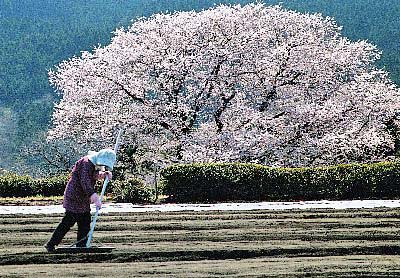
[[238, 182], [12, 185], [16, 186], [252, 182], [53, 186], [132, 191]]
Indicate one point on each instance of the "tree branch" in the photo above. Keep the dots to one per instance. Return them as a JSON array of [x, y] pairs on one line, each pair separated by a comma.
[[221, 109], [123, 88]]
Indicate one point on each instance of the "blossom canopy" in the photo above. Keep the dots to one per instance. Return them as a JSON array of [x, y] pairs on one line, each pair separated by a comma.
[[232, 83]]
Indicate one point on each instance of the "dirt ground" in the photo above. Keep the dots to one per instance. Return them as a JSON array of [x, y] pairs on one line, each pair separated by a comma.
[[312, 243]]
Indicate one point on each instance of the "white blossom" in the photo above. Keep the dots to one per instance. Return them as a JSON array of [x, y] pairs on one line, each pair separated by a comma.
[[231, 83]]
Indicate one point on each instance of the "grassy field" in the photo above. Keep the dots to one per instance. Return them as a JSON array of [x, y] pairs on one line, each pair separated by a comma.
[[315, 243]]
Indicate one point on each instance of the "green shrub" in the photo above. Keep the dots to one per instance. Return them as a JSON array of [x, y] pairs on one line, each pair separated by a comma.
[[251, 182], [53, 186], [212, 182], [132, 191], [12, 185]]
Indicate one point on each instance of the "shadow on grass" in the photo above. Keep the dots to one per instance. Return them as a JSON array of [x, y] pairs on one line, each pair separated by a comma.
[[119, 257]]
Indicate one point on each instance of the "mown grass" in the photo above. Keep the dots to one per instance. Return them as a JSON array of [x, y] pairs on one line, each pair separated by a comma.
[[30, 201], [297, 243]]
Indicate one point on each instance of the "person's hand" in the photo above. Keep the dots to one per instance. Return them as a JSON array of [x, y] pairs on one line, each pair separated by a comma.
[[98, 204], [109, 174], [103, 174], [96, 200]]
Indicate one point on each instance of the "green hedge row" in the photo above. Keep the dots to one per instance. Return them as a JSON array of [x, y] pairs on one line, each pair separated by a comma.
[[251, 182], [131, 190], [12, 185]]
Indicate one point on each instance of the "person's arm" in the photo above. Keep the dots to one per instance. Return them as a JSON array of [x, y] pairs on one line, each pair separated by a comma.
[[88, 181], [101, 175]]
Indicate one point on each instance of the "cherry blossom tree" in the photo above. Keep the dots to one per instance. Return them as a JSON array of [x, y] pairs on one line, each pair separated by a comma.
[[250, 83]]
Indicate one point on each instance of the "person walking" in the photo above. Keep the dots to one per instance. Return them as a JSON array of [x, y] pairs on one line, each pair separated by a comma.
[[80, 193]]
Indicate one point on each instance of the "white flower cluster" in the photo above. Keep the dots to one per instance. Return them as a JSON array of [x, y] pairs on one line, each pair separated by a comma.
[[232, 83]]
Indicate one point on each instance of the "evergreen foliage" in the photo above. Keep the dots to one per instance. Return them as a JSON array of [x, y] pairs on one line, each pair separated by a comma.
[[132, 191], [12, 185], [250, 182], [236, 182]]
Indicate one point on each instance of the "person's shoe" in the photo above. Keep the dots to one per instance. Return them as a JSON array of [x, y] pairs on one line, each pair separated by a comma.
[[49, 248]]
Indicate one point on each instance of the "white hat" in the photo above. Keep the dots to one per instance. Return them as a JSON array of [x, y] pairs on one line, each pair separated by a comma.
[[106, 157]]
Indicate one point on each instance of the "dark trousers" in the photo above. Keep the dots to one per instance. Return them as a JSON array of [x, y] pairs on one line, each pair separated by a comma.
[[69, 220]]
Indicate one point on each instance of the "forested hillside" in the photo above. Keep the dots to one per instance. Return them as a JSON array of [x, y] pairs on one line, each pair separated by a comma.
[[38, 34]]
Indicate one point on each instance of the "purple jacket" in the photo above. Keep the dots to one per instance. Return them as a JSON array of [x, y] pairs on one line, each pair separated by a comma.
[[80, 186]]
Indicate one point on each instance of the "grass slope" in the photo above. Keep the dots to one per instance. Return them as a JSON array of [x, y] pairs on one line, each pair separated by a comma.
[[317, 243]]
